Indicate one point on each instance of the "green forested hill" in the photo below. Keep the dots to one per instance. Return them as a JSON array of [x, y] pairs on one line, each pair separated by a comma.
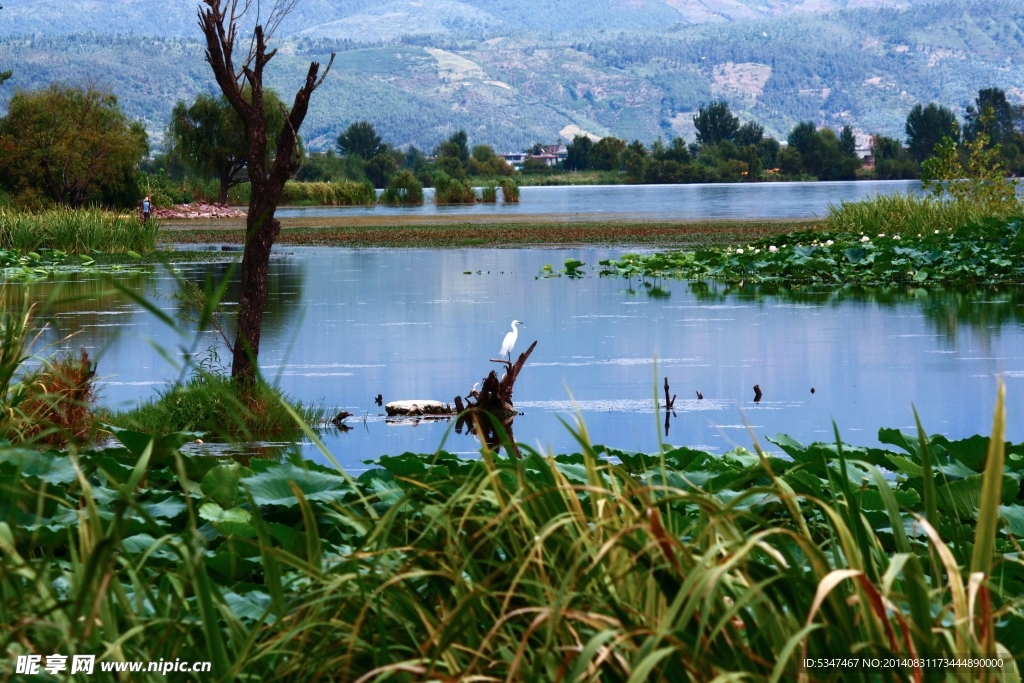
[[373, 19], [864, 67]]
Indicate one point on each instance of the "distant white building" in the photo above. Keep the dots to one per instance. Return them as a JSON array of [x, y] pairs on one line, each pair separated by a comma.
[[549, 156]]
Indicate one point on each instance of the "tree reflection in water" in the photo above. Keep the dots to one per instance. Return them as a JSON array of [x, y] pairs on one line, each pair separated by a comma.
[[983, 311]]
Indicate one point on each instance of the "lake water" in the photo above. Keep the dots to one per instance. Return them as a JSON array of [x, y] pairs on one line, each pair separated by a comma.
[[345, 325], [705, 201]]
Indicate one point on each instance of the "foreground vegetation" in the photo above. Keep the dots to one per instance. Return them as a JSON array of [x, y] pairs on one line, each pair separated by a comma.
[[678, 565]]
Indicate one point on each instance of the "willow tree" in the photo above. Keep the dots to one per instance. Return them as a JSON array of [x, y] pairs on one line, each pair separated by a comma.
[[242, 85]]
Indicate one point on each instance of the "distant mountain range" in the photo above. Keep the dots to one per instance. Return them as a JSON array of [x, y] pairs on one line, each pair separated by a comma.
[[512, 73], [364, 20]]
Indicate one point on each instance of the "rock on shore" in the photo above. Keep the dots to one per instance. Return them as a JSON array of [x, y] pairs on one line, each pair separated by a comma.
[[200, 210]]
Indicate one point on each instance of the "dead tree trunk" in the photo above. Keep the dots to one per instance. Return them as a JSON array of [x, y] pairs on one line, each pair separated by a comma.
[[219, 22], [495, 396]]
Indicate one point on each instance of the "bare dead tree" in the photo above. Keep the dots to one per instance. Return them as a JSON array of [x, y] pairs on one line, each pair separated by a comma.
[[242, 86]]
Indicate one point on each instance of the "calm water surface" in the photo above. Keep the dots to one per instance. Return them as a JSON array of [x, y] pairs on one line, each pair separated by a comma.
[[710, 201], [346, 325]]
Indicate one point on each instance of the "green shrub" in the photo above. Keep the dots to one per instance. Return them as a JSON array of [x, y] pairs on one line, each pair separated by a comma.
[[450, 190], [404, 189]]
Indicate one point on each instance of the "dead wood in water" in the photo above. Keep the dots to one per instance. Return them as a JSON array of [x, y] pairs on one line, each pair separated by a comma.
[[670, 403], [495, 395]]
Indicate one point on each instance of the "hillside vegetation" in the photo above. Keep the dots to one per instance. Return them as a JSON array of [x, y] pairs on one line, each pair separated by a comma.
[[862, 67], [360, 19]]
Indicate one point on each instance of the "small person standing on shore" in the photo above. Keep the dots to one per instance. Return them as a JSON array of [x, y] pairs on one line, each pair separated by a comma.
[[146, 207]]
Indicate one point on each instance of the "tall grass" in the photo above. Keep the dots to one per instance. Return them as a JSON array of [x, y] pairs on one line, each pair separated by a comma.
[[78, 231], [316, 193], [903, 214], [489, 193], [211, 402], [509, 190]]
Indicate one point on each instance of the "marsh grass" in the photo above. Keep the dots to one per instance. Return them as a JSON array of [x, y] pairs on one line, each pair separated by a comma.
[[79, 231], [316, 193], [212, 402], [509, 190], [904, 214], [489, 193], [57, 401]]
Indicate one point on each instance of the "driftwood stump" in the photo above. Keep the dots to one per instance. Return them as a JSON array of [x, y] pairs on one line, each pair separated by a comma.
[[494, 397]]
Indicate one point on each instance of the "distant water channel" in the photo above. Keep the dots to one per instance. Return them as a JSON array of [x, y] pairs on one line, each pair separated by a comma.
[[345, 325], [665, 202]]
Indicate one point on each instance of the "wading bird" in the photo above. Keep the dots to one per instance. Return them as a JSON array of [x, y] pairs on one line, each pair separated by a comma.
[[510, 340]]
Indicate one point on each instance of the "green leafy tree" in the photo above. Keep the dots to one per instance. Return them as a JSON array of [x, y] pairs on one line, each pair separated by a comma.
[[456, 147], [677, 151], [453, 155], [768, 150], [790, 161], [750, 133], [360, 139], [73, 145], [926, 126], [330, 167], [892, 161], [579, 153], [803, 137], [824, 154], [633, 162], [847, 142], [607, 154], [982, 182], [991, 115], [380, 168], [486, 162], [209, 138], [715, 123]]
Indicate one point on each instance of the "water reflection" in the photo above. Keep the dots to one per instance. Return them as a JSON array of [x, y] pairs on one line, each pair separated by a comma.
[[286, 283], [983, 311]]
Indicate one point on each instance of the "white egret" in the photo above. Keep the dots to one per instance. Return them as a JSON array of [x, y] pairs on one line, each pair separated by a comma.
[[510, 340]]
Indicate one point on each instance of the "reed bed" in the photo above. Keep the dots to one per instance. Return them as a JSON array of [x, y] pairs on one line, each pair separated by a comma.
[[509, 190], [905, 214], [316, 193], [80, 231]]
